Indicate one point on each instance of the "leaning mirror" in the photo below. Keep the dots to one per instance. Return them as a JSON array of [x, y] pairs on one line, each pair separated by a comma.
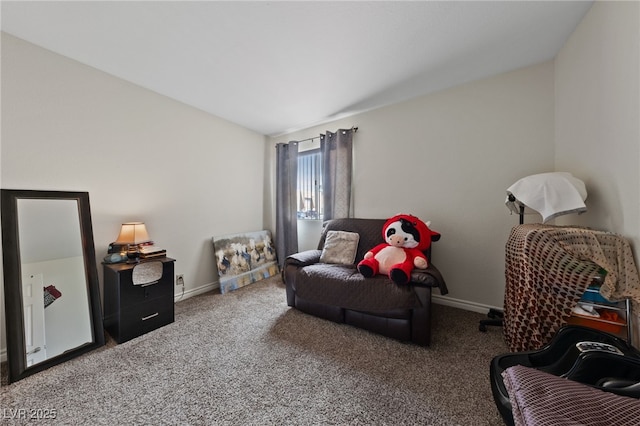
[[52, 298]]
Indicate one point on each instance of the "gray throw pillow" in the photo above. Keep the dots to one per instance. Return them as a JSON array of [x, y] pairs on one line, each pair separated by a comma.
[[340, 247]]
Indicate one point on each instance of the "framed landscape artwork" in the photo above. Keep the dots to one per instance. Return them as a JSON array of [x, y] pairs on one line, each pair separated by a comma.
[[244, 258]]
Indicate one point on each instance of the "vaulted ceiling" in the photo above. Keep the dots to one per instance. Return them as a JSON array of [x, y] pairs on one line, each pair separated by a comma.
[[275, 66]]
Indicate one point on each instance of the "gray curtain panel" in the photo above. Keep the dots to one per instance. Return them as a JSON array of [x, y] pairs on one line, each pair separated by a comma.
[[286, 200], [337, 169]]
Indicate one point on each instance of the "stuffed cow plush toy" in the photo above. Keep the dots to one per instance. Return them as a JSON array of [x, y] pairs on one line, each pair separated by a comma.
[[406, 238]]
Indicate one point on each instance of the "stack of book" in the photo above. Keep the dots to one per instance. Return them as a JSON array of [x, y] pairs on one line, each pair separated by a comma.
[[150, 250]]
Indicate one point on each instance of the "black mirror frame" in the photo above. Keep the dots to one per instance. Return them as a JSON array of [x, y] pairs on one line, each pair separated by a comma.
[[14, 315]]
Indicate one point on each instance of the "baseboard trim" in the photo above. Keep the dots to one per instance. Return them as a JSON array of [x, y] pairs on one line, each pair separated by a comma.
[[179, 297], [463, 304], [436, 298]]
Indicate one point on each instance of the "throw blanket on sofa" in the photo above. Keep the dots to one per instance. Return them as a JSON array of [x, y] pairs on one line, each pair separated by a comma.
[[548, 268], [344, 286]]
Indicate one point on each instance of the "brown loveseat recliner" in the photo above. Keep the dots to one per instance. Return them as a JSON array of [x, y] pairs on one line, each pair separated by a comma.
[[340, 293]]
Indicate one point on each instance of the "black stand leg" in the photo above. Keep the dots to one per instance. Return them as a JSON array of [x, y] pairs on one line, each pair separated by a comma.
[[495, 319]]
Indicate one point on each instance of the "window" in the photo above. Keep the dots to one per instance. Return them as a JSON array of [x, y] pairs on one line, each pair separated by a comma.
[[310, 185]]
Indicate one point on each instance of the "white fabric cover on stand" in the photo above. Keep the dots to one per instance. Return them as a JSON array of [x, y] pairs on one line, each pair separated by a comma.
[[550, 194]]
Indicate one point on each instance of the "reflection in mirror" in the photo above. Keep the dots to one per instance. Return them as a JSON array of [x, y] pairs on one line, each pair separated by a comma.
[[51, 263], [51, 290]]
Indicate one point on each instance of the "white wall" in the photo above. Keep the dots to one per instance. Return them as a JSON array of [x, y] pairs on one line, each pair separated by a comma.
[[141, 156], [598, 116], [448, 158]]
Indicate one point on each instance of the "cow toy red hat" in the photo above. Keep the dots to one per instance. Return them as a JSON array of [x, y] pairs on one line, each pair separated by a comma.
[[406, 238]]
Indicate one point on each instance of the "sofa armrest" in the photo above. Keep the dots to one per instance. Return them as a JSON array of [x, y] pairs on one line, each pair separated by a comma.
[[304, 258], [430, 277], [292, 264]]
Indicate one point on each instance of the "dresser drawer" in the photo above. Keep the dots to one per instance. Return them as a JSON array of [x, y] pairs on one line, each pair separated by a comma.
[[132, 294], [146, 316], [131, 310]]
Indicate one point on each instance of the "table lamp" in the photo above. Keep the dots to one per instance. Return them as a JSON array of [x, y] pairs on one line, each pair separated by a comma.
[[132, 234]]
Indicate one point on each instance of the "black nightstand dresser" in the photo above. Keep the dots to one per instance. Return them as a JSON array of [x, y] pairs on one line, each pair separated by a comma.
[[138, 297]]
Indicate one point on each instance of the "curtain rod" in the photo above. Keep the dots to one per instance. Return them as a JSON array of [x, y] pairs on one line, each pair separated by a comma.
[[354, 128]]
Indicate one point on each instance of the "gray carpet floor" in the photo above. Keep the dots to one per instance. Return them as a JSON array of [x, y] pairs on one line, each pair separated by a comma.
[[245, 358]]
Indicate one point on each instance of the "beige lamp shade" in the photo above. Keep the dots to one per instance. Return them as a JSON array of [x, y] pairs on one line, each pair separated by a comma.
[[133, 233]]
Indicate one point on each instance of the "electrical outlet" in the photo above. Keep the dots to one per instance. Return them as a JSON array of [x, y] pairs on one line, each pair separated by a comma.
[[180, 280]]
